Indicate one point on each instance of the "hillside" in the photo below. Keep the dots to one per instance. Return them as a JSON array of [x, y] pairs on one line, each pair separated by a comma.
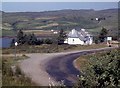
[[66, 19]]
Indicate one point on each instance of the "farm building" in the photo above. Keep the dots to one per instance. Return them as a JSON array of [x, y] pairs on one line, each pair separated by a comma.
[[79, 37]]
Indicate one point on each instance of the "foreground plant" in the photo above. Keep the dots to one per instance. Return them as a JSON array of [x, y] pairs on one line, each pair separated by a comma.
[[103, 71]]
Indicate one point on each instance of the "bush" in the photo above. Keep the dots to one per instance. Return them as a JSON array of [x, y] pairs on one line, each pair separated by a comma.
[[18, 71], [96, 39], [103, 71], [39, 42], [48, 41], [9, 78]]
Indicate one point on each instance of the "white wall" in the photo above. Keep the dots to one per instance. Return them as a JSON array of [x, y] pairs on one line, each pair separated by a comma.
[[89, 41], [66, 41], [73, 41]]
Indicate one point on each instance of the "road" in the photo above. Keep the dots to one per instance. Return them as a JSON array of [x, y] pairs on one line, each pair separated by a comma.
[[44, 69]]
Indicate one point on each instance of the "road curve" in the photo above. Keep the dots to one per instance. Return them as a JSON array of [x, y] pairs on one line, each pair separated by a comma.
[[44, 69]]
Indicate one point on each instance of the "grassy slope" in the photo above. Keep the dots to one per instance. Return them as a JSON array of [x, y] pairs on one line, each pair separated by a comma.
[[18, 79], [66, 19], [7, 32]]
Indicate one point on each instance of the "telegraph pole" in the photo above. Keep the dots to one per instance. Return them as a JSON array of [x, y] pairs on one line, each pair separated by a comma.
[[15, 49]]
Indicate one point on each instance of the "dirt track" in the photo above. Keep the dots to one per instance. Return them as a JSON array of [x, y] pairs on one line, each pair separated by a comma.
[[41, 67], [34, 68]]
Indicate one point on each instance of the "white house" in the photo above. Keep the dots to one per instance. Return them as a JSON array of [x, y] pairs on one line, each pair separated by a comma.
[[79, 37]]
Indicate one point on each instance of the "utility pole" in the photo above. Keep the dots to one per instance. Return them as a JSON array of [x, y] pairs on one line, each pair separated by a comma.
[[15, 49]]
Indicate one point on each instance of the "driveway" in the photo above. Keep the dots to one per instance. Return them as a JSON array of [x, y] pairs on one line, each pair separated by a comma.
[[44, 69]]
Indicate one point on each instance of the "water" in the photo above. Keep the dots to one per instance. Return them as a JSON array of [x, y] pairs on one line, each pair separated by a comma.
[[5, 42]]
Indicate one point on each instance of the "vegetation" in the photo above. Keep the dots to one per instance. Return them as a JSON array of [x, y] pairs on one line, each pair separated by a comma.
[[9, 33], [61, 37], [103, 35], [0, 78], [101, 70], [49, 48], [47, 41], [29, 39], [62, 19], [11, 73]]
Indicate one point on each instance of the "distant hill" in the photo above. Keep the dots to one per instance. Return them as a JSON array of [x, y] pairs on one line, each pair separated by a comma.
[[66, 19]]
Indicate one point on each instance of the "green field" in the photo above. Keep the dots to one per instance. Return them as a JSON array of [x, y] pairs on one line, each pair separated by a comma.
[[7, 33], [61, 19]]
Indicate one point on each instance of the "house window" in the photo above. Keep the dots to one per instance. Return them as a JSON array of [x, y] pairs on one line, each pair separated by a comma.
[[73, 40]]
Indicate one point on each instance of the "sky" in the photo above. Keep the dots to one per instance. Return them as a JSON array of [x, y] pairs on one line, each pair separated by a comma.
[[60, 0], [50, 6]]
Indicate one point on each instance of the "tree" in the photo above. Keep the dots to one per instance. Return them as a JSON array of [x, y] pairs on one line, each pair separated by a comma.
[[25, 38], [39, 41], [61, 36], [31, 39], [96, 39], [48, 41], [12, 42], [34, 38], [20, 37], [103, 34]]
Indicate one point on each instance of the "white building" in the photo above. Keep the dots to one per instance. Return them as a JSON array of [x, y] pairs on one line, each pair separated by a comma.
[[79, 37]]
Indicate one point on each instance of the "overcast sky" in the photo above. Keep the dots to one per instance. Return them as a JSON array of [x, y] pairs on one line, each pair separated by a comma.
[[48, 6]]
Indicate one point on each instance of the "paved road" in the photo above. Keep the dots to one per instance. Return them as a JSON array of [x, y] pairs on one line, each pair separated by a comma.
[[53, 67], [61, 68]]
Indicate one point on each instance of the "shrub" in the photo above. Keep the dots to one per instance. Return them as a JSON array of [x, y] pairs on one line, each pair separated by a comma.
[[103, 71], [18, 71], [48, 41]]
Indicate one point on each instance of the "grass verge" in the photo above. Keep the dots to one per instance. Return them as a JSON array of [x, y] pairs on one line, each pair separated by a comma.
[[50, 48], [11, 73]]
